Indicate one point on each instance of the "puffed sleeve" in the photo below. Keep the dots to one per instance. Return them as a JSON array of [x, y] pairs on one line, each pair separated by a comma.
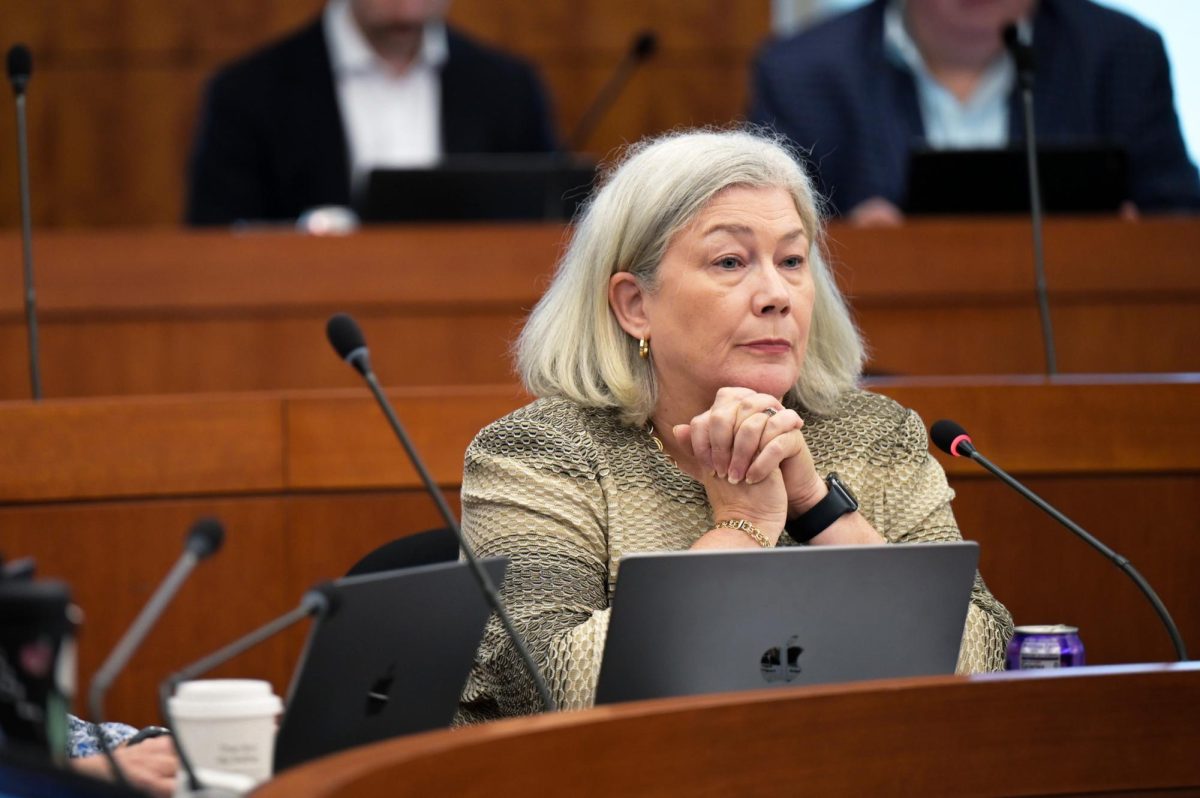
[[533, 492]]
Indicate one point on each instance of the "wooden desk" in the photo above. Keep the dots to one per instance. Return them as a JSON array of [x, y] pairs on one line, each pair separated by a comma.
[[102, 491], [166, 311], [1113, 731]]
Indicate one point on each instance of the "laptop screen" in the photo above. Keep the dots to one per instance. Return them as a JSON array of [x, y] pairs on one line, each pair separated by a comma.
[[480, 188], [686, 623], [391, 658], [1073, 180]]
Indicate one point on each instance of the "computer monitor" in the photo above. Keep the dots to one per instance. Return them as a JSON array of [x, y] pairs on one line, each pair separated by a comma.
[[1084, 179], [480, 188]]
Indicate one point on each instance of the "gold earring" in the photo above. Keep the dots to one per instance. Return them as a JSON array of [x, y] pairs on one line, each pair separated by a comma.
[[644, 348]]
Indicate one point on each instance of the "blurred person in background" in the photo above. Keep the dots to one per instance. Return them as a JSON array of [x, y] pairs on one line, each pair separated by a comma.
[[859, 91], [370, 83]]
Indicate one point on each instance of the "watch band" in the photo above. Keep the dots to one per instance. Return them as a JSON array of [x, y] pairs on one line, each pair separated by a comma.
[[839, 501]]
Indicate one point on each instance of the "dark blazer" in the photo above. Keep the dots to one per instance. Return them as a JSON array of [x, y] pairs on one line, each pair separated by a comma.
[[1101, 76], [270, 142]]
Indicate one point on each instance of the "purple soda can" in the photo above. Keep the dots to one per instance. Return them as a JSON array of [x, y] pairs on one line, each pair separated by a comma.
[[1039, 647]]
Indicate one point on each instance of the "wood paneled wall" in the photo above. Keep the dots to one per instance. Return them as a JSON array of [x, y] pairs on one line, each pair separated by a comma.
[[117, 83], [101, 492], [167, 311]]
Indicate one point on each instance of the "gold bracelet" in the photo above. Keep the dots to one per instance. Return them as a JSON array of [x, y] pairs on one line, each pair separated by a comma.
[[750, 529]]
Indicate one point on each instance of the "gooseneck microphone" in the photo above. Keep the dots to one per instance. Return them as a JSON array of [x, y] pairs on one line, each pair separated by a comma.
[[643, 46], [204, 539], [20, 68], [347, 340], [1022, 56], [321, 600], [952, 439]]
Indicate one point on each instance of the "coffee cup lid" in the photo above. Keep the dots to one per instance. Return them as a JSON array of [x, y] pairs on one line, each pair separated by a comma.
[[224, 698]]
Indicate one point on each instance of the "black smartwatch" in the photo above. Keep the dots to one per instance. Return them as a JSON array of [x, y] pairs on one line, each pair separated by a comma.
[[839, 501], [146, 734]]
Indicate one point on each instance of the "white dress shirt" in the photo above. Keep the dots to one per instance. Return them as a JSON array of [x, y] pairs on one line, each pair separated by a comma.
[[390, 119]]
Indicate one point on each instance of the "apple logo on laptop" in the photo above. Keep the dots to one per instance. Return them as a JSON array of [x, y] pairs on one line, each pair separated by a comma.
[[782, 663], [378, 695]]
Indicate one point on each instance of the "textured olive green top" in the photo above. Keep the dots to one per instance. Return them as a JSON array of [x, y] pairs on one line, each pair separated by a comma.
[[565, 491]]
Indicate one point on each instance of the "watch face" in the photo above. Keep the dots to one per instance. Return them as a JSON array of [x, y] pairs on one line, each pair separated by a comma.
[[839, 501], [836, 481]]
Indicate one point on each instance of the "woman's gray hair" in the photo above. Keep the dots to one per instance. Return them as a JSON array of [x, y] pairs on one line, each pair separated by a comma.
[[572, 345]]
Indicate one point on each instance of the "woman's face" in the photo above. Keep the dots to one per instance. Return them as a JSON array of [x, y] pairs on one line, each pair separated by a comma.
[[734, 300]]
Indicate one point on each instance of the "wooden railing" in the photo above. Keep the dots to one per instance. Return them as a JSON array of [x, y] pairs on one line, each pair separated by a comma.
[[151, 312], [1111, 731]]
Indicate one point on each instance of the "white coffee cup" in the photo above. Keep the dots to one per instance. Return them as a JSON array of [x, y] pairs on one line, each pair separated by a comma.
[[227, 725]]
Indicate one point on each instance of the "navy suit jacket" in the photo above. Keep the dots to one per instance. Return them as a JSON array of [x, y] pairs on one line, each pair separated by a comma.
[[270, 142], [1101, 77]]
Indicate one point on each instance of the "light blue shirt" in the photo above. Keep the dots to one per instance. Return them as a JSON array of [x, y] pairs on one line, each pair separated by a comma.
[[980, 122]]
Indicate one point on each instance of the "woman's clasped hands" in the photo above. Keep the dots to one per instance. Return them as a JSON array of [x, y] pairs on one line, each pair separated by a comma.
[[749, 452]]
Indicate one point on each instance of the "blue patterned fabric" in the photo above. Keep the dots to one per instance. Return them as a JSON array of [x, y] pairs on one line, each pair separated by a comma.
[[83, 737]]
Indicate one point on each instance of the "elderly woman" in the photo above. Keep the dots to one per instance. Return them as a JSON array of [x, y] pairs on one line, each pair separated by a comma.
[[698, 372]]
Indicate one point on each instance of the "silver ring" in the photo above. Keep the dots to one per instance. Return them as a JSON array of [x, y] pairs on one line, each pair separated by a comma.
[[770, 411]]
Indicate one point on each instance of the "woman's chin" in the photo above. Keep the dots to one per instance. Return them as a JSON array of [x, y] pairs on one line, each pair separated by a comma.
[[771, 384]]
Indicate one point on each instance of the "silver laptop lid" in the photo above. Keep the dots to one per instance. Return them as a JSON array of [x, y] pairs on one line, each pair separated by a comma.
[[685, 623]]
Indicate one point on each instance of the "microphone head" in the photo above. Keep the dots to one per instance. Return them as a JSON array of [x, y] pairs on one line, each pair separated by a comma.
[[1011, 36], [205, 537], [20, 67], [951, 438], [344, 334], [347, 340], [645, 45], [18, 570], [321, 599], [1021, 52]]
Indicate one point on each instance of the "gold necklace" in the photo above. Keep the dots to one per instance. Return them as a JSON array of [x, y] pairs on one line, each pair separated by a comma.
[[658, 444]]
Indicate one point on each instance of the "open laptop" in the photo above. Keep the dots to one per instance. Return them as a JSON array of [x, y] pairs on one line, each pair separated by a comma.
[[686, 623], [511, 187], [1076, 179], [391, 658]]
